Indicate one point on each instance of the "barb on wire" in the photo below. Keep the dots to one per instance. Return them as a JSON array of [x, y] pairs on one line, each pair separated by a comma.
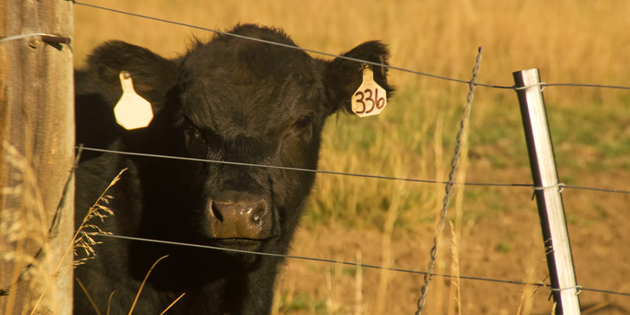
[[506, 87], [449, 186], [413, 180], [346, 263]]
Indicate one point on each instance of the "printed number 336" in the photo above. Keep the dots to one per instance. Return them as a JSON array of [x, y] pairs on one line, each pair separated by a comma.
[[376, 101]]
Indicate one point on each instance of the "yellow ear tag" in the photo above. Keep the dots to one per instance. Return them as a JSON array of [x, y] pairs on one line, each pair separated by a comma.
[[132, 111], [370, 98]]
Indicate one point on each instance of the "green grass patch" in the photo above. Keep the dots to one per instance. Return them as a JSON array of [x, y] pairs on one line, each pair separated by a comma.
[[502, 247], [303, 303]]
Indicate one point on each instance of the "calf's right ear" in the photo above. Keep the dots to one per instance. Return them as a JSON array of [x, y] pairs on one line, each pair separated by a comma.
[[343, 77], [152, 75]]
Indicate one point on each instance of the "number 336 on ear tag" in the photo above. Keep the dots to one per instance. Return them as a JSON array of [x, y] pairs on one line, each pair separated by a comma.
[[132, 111], [370, 98]]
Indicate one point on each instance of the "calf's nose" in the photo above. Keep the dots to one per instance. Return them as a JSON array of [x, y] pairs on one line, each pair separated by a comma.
[[233, 219]]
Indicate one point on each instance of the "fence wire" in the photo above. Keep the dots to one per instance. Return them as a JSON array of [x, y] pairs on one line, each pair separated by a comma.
[[347, 263], [413, 180], [505, 87], [472, 83]]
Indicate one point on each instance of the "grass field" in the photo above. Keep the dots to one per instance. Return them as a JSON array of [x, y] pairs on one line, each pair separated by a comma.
[[496, 229]]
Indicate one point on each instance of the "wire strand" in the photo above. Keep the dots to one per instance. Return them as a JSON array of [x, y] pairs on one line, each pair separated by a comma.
[[413, 180], [588, 85], [300, 258], [504, 87], [332, 261]]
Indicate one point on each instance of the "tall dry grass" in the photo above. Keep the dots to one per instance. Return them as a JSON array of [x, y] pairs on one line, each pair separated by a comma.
[[23, 235], [569, 40]]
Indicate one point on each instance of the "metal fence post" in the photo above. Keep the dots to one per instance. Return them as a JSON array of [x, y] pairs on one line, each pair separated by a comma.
[[547, 191]]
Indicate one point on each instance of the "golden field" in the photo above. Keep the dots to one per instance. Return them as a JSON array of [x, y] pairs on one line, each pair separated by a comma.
[[496, 230]]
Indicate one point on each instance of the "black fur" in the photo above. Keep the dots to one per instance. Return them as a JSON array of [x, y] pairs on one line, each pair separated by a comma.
[[230, 99]]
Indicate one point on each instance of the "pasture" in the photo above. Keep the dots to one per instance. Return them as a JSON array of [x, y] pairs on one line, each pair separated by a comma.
[[495, 231]]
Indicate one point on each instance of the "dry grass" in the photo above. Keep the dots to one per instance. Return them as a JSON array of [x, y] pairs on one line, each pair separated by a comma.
[[83, 241], [570, 41], [83, 237], [23, 230], [109, 304], [392, 216]]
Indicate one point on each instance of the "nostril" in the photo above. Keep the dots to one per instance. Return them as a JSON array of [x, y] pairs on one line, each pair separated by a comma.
[[216, 211]]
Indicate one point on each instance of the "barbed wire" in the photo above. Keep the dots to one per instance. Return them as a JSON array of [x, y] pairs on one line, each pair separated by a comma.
[[413, 180], [346, 263], [451, 180], [505, 87]]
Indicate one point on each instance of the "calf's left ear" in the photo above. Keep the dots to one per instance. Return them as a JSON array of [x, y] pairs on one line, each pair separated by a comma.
[[343, 77]]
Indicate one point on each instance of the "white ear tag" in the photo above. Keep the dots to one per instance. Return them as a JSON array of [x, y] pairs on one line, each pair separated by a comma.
[[132, 111], [370, 98]]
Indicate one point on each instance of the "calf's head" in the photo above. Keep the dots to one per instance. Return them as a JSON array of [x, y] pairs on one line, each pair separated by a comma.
[[235, 100]]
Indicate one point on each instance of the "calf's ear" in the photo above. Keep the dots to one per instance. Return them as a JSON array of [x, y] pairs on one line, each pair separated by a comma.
[[343, 77], [152, 75]]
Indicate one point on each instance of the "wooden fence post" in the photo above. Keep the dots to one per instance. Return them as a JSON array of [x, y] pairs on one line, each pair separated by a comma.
[[548, 198], [37, 150]]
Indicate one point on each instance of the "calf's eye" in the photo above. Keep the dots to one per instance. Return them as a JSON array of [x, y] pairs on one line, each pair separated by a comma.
[[304, 121], [197, 146]]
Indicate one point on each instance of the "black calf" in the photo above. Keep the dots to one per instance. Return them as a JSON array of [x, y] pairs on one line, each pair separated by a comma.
[[229, 99]]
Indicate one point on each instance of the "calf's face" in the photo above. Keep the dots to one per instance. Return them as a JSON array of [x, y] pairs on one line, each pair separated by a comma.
[[249, 102], [237, 100]]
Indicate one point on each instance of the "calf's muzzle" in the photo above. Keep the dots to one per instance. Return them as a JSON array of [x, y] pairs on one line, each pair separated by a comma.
[[240, 219]]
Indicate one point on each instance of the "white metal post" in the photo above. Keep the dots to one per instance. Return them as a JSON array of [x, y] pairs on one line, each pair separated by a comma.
[[547, 186]]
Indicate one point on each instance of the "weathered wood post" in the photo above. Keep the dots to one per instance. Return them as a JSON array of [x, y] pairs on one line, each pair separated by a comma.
[[37, 149], [547, 186]]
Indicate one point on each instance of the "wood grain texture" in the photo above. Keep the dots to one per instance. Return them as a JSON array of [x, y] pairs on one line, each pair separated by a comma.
[[37, 120]]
